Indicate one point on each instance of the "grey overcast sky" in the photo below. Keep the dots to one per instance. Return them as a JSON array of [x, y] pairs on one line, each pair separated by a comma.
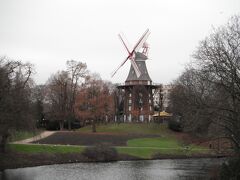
[[49, 32]]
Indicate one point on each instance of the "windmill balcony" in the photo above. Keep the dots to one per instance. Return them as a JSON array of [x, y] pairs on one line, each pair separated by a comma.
[[138, 83]]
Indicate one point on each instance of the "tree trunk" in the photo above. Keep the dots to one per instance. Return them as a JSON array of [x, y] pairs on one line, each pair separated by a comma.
[[106, 120], [69, 124], [3, 143], [61, 125], [94, 126]]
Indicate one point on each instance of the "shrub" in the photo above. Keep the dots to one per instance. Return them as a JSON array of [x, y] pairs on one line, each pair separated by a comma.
[[231, 169], [101, 152], [175, 124], [52, 125]]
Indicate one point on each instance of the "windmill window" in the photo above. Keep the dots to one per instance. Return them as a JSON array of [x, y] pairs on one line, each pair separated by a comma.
[[129, 118], [129, 108], [129, 101], [130, 95]]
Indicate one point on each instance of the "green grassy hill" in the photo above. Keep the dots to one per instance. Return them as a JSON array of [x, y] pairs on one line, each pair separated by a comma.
[[163, 143], [167, 144], [130, 128]]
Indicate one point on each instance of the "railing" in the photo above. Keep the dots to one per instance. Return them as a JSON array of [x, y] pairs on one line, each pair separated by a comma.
[[138, 83]]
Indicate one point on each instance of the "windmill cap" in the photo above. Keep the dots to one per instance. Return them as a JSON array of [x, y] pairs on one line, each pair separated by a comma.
[[140, 56]]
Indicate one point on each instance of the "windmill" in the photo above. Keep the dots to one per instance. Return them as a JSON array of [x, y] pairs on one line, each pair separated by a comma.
[[138, 88], [132, 54]]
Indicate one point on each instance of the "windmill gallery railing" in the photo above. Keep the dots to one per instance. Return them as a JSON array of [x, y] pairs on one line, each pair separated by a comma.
[[139, 83]]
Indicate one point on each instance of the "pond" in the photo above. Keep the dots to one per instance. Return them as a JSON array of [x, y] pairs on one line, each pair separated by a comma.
[[121, 170]]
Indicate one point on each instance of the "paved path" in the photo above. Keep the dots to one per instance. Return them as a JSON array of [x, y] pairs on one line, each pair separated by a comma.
[[35, 138]]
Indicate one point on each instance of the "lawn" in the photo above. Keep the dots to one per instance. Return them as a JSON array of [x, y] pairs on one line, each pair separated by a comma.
[[139, 140], [129, 128], [161, 142], [148, 147], [38, 148], [20, 135]]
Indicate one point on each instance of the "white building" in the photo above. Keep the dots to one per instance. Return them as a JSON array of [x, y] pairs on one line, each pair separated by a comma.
[[166, 89]]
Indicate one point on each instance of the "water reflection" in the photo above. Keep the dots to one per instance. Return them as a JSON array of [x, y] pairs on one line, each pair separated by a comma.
[[132, 170]]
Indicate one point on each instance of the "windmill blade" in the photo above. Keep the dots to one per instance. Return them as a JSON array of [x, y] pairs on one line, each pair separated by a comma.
[[114, 72], [125, 44], [135, 67], [131, 54], [141, 40]]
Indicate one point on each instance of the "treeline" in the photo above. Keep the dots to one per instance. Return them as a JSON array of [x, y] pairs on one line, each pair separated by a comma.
[[207, 93], [15, 97], [69, 96], [75, 95]]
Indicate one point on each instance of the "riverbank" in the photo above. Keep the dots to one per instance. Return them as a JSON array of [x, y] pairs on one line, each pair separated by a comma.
[[131, 141], [13, 160]]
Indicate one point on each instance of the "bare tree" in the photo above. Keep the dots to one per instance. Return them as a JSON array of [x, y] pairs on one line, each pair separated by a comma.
[[57, 87], [95, 101], [77, 71], [218, 56], [15, 101], [61, 91], [159, 102], [38, 94], [191, 98], [210, 90], [118, 98]]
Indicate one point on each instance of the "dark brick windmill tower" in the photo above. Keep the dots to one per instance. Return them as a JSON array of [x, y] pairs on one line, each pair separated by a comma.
[[138, 87]]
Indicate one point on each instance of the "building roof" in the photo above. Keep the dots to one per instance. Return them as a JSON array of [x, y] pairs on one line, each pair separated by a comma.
[[162, 113]]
